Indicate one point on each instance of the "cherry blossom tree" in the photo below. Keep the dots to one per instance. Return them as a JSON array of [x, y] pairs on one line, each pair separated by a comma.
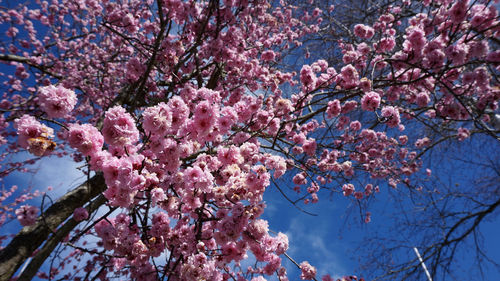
[[183, 113]]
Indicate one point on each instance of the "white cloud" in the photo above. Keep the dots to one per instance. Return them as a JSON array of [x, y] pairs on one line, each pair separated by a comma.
[[316, 243]]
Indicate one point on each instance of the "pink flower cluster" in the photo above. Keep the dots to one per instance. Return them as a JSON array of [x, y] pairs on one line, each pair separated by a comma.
[[56, 101], [392, 116], [370, 101], [364, 31], [85, 138], [307, 77], [120, 236], [119, 128], [34, 136], [268, 55], [134, 69], [157, 120], [463, 133], [308, 271], [333, 109], [124, 180], [458, 11], [349, 77], [80, 214], [27, 214]]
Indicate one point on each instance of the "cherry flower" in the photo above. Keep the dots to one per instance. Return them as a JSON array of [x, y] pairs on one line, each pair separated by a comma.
[[56, 101], [308, 271], [119, 127], [392, 116], [27, 214], [370, 101], [134, 69], [463, 133], [458, 11], [307, 77], [423, 99], [268, 55], [33, 135], [348, 189], [350, 76], [157, 120], [386, 44], [80, 214], [363, 31], [333, 109], [85, 138]]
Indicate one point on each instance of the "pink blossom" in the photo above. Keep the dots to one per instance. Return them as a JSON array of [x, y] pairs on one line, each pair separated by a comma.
[[349, 106], [268, 55], [423, 99], [307, 77], [368, 189], [258, 229], [299, 179], [281, 243], [180, 112], [12, 31], [365, 84], [370, 101], [27, 214], [386, 44], [160, 224], [309, 147], [85, 138], [158, 195], [363, 31], [157, 120], [368, 217], [350, 76], [327, 277], [134, 69], [363, 49], [119, 127], [458, 11], [226, 119], [355, 126], [308, 271], [478, 49], [494, 56], [423, 142], [56, 101], [463, 133], [358, 195], [457, 53], [33, 135], [284, 106], [130, 23], [347, 189], [392, 116], [333, 109], [80, 214]]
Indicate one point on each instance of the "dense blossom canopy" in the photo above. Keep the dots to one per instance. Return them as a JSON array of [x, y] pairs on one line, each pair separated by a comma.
[[189, 110]]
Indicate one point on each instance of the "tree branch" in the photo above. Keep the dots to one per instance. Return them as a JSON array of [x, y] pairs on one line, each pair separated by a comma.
[[31, 237], [54, 240]]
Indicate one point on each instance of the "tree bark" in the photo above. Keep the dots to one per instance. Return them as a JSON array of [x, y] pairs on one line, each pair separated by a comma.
[[31, 237]]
